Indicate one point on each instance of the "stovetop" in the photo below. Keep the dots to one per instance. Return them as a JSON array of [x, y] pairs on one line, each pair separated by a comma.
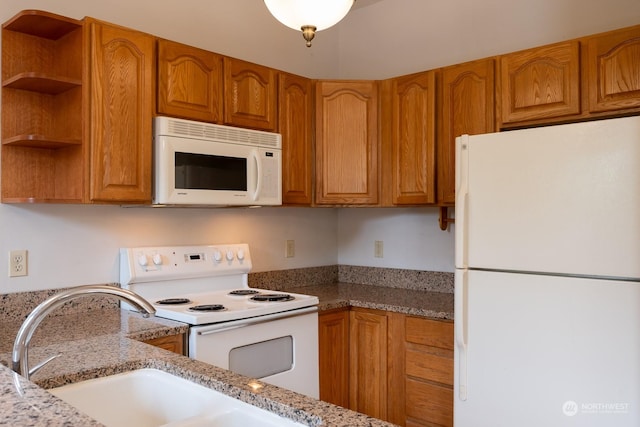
[[222, 307], [204, 275]]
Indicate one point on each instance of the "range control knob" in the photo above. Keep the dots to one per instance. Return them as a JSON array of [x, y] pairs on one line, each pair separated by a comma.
[[217, 256], [230, 255], [157, 259], [240, 254], [142, 260]]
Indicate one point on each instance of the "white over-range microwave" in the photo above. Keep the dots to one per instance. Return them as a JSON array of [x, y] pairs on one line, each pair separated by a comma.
[[203, 164]]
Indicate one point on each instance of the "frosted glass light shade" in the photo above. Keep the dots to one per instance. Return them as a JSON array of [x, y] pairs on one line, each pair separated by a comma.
[[320, 14]]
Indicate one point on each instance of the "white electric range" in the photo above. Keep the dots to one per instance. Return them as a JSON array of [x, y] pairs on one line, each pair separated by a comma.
[[264, 334]]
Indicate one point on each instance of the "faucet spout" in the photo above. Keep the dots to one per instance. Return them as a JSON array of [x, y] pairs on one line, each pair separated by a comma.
[[20, 363]]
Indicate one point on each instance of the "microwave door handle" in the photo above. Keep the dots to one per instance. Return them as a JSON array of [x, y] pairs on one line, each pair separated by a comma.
[[256, 159]]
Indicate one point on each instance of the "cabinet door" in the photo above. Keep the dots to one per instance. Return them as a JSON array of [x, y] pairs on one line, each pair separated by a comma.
[[467, 108], [189, 82], [413, 139], [333, 336], [613, 70], [346, 142], [174, 343], [295, 118], [121, 108], [540, 83], [368, 362], [249, 95]]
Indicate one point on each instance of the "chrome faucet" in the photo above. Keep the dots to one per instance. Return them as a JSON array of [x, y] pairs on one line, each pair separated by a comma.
[[20, 363]]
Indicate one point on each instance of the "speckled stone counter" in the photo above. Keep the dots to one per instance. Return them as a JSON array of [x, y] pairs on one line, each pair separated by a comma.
[[95, 338], [438, 305], [105, 342]]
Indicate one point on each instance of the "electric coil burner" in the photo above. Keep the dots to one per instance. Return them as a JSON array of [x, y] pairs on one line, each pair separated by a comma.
[[208, 307], [173, 301], [264, 334], [244, 292], [272, 297]]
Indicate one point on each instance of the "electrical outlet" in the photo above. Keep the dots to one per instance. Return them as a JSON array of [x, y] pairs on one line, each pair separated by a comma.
[[378, 249], [18, 263], [290, 249]]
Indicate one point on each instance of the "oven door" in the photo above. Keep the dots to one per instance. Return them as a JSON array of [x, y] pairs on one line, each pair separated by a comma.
[[279, 349]]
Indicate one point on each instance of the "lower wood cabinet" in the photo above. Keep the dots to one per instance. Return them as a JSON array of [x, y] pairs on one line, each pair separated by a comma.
[[428, 372], [333, 333], [174, 343], [368, 362], [391, 366]]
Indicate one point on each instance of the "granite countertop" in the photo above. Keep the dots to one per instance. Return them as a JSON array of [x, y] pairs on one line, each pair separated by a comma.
[[106, 341], [437, 305]]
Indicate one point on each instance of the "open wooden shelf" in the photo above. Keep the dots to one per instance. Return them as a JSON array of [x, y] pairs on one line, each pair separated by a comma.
[[37, 200], [42, 109], [42, 24], [40, 141], [42, 83]]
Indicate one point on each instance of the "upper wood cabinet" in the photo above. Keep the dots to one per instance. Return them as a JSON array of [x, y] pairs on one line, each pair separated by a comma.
[[189, 82], [612, 70], [413, 116], [42, 109], [346, 142], [250, 95], [540, 83], [121, 72], [467, 107], [295, 124]]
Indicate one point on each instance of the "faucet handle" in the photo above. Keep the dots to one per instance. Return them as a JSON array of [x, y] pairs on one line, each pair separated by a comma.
[[41, 365]]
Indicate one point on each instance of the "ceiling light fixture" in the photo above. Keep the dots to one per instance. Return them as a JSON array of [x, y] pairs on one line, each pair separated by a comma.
[[309, 15]]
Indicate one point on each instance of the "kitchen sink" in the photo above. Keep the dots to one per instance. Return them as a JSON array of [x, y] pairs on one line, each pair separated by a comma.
[[151, 397]]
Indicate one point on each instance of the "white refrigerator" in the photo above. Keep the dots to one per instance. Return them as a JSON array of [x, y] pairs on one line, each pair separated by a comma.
[[547, 279]]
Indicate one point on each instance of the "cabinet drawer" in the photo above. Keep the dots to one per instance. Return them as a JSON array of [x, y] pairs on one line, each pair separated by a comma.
[[430, 364], [429, 332], [429, 403]]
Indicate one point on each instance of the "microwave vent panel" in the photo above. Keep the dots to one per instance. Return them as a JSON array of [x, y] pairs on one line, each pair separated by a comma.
[[212, 132]]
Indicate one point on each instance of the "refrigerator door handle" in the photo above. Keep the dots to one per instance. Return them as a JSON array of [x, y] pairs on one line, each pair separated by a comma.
[[461, 313], [462, 198]]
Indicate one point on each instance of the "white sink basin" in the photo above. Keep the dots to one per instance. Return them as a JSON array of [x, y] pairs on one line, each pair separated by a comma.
[[150, 397]]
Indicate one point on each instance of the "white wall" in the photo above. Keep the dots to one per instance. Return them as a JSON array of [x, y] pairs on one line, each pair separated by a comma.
[[411, 238], [75, 245], [396, 37]]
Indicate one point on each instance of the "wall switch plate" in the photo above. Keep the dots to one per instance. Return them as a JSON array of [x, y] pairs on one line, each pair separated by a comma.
[[18, 263], [290, 249], [378, 249]]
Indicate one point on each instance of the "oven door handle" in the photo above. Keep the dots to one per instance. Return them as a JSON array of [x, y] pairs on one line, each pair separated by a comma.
[[214, 329]]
